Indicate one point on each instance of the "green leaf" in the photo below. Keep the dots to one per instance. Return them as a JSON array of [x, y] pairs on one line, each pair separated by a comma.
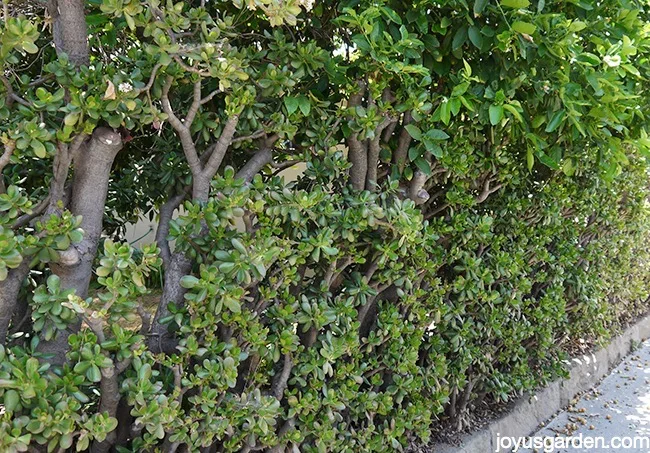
[[391, 15], [111, 424], [479, 6], [232, 304], [475, 37], [460, 89], [496, 114], [445, 112], [30, 47], [414, 152], [65, 441], [105, 272], [189, 281], [577, 26], [591, 60], [414, 131], [423, 165], [239, 246], [515, 3], [96, 19], [433, 147], [524, 27], [291, 104], [39, 149], [530, 159], [71, 118], [11, 400], [459, 38], [547, 160], [304, 105], [93, 374], [226, 267], [81, 397], [330, 250], [261, 270], [513, 110], [129, 21], [437, 134], [555, 121], [568, 168]]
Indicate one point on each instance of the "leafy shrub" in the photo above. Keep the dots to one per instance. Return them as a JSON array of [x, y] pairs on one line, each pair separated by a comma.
[[473, 209]]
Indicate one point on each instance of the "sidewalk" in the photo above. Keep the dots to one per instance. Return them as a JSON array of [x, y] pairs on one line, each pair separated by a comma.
[[614, 416]]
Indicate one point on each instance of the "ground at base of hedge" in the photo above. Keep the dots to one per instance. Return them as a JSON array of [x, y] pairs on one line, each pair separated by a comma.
[[618, 407]]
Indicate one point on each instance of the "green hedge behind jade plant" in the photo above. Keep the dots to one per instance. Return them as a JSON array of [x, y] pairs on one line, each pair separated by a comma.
[[474, 209]]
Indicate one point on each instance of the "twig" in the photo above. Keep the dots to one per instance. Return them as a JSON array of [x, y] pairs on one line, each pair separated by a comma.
[[152, 78], [40, 80], [9, 148], [183, 131], [165, 216], [146, 319], [191, 69], [11, 95], [437, 211], [487, 190], [286, 164], [36, 211], [221, 146], [332, 129], [254, 135], [209, 97], [196, 104], [280, 381]]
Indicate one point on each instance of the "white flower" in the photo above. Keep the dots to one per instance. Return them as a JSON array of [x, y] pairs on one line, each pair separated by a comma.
[[125, 87], [612, 60], [307, 4]]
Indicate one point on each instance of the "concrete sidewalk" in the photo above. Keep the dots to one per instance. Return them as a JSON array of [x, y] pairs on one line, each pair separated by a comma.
[[617, 410]]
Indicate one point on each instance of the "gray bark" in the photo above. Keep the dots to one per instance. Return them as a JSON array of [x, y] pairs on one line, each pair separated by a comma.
[[9, 290], [403, 143], [165, 216], [417, 193], [358, 149], [69, 29], [179, 266], [261, 159], [374, 148], [358, 156], [110, 400], [89, 188]]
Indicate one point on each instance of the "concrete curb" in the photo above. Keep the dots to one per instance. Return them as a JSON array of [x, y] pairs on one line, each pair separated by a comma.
[[533, 409]]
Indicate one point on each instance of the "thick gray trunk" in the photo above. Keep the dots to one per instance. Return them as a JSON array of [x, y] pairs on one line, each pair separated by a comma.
[[110, 399], [201, 188], [173, 292], [261, 159], [9, 290], [358, 157], [179, 264], [69, 29], [89, 188]]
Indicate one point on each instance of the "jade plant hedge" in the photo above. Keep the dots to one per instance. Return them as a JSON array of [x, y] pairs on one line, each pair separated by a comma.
[[471, 209]]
